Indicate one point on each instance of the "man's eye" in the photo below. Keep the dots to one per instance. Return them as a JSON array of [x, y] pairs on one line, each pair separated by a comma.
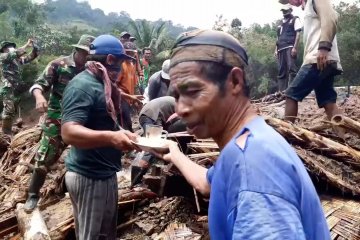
[[192, 92]]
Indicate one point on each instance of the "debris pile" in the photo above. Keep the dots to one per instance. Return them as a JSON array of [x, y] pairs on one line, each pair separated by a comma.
[[161, 208]]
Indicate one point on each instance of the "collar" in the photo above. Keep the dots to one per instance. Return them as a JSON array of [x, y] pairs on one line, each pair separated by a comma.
[[251, 126]]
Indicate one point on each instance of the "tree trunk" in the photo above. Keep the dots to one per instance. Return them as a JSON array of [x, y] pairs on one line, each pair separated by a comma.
[[31, 226]]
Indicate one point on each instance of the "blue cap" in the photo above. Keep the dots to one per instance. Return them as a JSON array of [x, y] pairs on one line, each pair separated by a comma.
[[108, 44]]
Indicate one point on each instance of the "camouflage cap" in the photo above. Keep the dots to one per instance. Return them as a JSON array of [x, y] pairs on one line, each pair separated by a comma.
[[6, 44], [84, 42], [125, 34], [130, 46]]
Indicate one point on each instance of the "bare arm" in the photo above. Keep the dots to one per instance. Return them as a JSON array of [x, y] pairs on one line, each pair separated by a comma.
[[136, 98], [31, 56], [193, 173], [79, 136], [27, 44]]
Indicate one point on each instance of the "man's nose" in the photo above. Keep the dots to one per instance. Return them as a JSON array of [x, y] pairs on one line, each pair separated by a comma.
[[182, 107]]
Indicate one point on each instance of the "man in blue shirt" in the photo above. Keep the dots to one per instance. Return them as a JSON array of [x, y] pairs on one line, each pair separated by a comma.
[[259, 188]]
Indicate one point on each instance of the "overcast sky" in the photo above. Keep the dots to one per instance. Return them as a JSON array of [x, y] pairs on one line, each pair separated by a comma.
[[197, 13]]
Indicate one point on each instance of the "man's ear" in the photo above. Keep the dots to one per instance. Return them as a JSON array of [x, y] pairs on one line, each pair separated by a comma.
[[237, 81], [110, 59]]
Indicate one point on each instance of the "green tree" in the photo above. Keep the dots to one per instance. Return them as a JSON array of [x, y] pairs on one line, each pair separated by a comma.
[[349, 42], [147, 34]]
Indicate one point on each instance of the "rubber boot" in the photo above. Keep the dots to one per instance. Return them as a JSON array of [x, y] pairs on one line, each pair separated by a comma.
[[37, 181], [7, 126]]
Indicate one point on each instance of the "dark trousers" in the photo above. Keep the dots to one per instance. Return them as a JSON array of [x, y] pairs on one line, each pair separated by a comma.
[[287, 68]]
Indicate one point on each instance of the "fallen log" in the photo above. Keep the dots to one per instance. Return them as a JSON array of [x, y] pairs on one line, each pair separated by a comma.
[[31, 226], [315, 141], [347, 123]]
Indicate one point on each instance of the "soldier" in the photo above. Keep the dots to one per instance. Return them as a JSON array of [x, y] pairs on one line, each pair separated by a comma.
[[55, 77], [11, 60]]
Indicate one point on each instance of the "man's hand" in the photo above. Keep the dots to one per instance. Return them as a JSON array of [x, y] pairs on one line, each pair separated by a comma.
[[122, 140], [276, 53], [174, 152], [41, 103], [293, 52], [322, 58], [29, 42], [137, 98]]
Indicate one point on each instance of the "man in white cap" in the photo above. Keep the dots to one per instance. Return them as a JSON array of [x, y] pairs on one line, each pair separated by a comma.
[[288, 35], [159, 82]]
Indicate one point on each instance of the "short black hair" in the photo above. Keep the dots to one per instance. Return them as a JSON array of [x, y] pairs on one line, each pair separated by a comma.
[[146, 48], [97, 58], [218, 73]]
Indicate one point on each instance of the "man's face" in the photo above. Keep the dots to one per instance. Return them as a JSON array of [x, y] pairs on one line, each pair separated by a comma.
[[113, 66], [296, 3], [199, 101], [9, 49], [286, 13], [147, 55], [124, 39], [131, 53], [80, 57]]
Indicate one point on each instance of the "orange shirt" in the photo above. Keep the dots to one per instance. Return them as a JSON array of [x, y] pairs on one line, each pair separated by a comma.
[[127, 79]]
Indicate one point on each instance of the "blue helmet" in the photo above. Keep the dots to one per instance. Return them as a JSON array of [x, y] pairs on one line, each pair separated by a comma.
[[108, 44]]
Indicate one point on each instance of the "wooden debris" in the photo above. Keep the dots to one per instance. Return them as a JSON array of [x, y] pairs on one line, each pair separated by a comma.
[[343, 217], [145, 214], [334, 172], [7, 226], [312, 140], [347, 123], [177, 231], [157, 216]]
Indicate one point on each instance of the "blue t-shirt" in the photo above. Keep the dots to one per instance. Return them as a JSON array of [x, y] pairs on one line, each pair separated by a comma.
[[263, 191]]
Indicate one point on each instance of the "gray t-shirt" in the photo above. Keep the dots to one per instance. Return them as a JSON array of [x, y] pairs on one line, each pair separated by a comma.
[[158, 87], [160, 108]]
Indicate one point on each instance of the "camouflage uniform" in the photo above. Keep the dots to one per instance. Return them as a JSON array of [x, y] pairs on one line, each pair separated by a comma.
[[11, 75], [55, 77]]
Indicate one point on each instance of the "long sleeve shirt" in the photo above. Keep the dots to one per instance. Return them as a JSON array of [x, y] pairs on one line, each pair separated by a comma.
[[320, 24]]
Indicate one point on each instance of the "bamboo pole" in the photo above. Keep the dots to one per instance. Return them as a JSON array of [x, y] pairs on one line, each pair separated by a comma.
[[347, 123]]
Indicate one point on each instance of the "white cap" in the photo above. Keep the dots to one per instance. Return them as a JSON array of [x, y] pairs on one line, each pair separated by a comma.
[[286, 7], [165, 69]]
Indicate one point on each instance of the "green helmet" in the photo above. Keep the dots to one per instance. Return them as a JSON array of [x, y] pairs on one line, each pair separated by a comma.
[[5, 44]]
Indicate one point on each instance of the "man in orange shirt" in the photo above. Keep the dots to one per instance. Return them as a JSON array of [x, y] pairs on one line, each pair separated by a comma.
[[127, 82]]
